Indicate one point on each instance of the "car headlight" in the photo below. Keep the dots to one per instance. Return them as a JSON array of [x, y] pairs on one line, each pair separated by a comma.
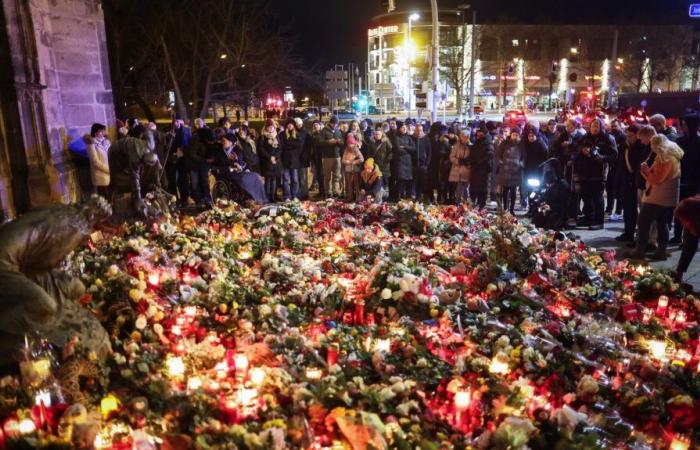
[[533, 182]]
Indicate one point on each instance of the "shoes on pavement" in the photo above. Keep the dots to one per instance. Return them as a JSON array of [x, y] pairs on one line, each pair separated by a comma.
[[596, 227], [615, 217], [651, 248], [625, 238], [659, 256], [675, 241]]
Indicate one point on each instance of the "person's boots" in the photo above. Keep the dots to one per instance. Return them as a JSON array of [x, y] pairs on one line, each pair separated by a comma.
[[660, 254], [638, 253]]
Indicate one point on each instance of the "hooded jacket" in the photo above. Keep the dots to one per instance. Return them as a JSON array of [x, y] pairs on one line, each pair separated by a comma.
[[535, 155], [381, 151], [589, 167], [481, 159]]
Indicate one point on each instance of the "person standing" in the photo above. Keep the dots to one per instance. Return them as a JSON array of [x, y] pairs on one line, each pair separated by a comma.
[[614, 198], [510, 162], [248, 148], [270, 159], [352, 165], [305, 159], [690, 165], [460, 168], [176, 172], [660, 195], [421, 162], [481, 158], [196, 155], [292, 147], [535, 153], [629, 163], [329, 142], [658, 121], [688, 214], [314, 152], [550, 134], [598, 149], [98, 155], [404, 150]]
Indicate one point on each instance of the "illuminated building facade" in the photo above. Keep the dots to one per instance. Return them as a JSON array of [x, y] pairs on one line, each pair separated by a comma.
[[527, 65]]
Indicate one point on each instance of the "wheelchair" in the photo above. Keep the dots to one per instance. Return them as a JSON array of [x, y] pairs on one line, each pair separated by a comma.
[[227, 189]]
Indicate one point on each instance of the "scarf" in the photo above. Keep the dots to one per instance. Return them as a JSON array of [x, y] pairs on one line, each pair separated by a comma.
[[271, 138]]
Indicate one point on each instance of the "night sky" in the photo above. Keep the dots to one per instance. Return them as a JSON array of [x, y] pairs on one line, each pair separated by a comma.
[[334, 31]]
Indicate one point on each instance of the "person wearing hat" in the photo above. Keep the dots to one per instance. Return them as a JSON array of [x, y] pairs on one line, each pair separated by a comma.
[[330, 142], [690, 165], [509, 172], [371, 181], [404, 150], [352, 164]]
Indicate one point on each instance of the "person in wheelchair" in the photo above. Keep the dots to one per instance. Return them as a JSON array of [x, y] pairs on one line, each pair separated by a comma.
[[229, 166]]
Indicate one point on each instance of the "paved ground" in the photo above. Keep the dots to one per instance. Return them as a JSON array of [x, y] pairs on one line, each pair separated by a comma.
[[605, 239]]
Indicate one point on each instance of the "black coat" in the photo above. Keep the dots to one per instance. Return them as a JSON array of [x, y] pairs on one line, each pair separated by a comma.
[[402, 160], [535, 154], [327, 149], [305, 158], [250, 155], [481, 160], [629, 161], [690, 163], [439, 167], [196, 153], [382, 153], [292, 150], [423, 153], [590, 168], [267, 151]]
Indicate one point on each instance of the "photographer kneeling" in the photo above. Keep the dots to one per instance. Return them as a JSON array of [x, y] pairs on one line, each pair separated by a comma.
[[552, 204]]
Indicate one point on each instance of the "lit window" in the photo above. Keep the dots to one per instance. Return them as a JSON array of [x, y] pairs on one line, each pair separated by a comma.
[[516, 43]]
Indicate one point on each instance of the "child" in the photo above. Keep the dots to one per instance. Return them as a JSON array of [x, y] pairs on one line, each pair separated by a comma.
[[352, 163], [371, 182]]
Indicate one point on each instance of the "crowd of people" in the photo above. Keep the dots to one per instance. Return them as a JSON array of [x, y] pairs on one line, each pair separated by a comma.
[[563, 175]]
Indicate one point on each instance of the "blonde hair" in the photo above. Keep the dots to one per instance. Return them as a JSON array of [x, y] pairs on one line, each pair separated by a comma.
[[668, 150]]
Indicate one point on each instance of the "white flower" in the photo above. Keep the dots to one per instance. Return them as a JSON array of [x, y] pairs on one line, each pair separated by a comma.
[[386, 394], [587, 386], [386, 294], [568, 418], [141, 322], [264, 310]]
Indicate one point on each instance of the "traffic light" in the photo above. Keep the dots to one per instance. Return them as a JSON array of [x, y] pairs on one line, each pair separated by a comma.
[[555, 66], [511, 69], [573, 77]]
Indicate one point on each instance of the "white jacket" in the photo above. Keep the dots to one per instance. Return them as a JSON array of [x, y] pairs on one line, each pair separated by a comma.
[[99, 161]]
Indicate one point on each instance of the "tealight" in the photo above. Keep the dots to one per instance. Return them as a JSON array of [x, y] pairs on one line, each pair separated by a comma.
[[680, 443], [221, 369], [657, 348], [194, 383], [462, 399], [257, 376], [499, 365], [382, 345], [175, 366], [314, 374], [246, 396], [27, 426], [153, 278], [108, 405], [646, 315], [240, 361]]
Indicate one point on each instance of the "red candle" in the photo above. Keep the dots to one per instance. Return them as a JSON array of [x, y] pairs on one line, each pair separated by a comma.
[[662, 305], [332, 354], [359, 317]]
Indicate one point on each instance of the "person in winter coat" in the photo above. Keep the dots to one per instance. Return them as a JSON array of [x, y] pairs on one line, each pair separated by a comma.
[[98, 154], [248, 149], [381, 150], [352, 164], [510, 162], [660, 196], [196, 155], [421, 162], [371, 181], [614, 198], [598, 149], [270, 159], [329, 143], [658, 121], [292, 148], [460, 169], [628, 165], [535, 154], [176, 172], [688, 214], [481, 159], [305, 159], [404, 150], [314, 152], [690, 165], [356, 131]]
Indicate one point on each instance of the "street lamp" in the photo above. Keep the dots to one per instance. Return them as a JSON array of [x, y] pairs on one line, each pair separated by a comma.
[[409, 56]]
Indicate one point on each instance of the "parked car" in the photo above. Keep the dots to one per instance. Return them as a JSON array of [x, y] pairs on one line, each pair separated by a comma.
[[371, 109], [311, 111], [514, 117], [344, 114]]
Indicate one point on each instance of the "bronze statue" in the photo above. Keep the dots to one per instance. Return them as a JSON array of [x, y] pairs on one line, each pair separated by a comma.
[[36, 295]]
